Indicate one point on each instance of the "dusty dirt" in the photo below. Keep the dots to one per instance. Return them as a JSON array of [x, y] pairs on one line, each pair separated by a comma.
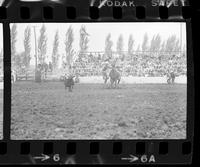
[[92, 111]]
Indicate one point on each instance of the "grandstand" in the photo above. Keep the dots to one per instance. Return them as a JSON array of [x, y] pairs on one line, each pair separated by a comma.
[[138, 64]]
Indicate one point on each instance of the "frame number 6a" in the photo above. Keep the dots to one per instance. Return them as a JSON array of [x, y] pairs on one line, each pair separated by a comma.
[[146, 159]]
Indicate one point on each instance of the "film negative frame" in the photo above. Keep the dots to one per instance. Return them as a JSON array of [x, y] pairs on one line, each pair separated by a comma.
[[94, 151]]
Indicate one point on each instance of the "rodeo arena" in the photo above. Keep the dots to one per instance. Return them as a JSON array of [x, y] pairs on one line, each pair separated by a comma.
[[135, 96]]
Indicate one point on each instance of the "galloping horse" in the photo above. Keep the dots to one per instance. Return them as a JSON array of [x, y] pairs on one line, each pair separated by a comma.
[[115, 77]]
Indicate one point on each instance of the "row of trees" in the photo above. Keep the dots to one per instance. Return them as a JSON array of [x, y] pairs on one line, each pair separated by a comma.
[[171, 45], [22, 60]]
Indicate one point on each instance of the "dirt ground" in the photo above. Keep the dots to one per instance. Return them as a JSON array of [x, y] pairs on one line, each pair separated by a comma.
[[1, 114], [93, 111]]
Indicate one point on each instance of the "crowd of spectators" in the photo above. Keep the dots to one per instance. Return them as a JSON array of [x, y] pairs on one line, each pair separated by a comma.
[[135, 65]]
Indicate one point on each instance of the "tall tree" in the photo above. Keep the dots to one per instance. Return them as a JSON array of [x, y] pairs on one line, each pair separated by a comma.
[[155, 43], [84, 40], [108, 47], [20, 61], [145, 43], [138, 49], [69, 38], [170, 43], [163, 47], [42, 45], [177, 47], [130, 45], [13, 35], [27, 47], [55, 55], [120, 45]]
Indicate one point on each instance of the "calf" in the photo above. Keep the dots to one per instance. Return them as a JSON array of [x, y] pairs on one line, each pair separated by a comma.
[[69, 82]]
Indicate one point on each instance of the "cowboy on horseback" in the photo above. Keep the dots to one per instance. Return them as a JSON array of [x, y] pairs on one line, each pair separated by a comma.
[[115, 76]]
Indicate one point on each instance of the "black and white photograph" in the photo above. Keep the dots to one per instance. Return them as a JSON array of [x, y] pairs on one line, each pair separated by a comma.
[[1, 81], [79, 81]]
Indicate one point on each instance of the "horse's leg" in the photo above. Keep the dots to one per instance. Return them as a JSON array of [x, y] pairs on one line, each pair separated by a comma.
[[118, 80], [106, 80], [112, 82], [173, 80], [45, 75], [168, 80], [115, 83]]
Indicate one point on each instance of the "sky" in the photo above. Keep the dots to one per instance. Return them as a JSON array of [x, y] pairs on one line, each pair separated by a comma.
[[98, 33]]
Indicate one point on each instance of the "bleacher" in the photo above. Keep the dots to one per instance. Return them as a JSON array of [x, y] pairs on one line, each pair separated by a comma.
[[139, 65]]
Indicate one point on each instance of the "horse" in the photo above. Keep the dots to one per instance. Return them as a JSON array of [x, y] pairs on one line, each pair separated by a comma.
[[115, 77], [69, 82], [171, 78]]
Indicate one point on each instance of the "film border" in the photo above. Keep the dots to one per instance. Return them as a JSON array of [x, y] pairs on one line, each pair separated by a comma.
[[95, 151]]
